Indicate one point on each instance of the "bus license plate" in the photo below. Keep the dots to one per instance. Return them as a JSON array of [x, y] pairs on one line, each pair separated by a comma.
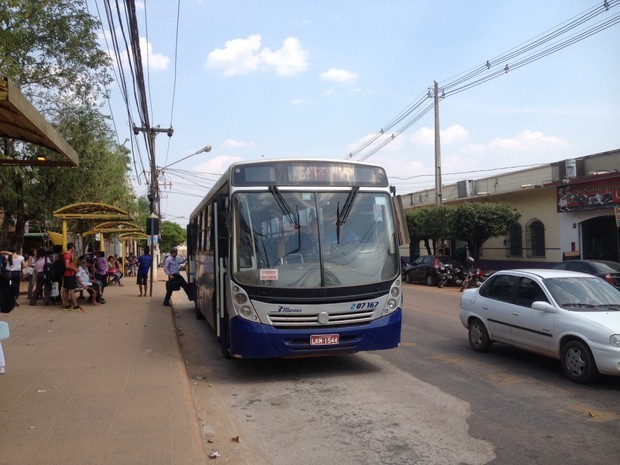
[[324, 339]]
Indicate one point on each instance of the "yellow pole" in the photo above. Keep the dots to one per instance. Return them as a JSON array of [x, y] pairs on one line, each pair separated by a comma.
[[64, 235]]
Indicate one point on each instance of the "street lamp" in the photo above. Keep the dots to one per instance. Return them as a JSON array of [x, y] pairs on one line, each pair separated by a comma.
[[154, 200], [160, 171], [206, 148]]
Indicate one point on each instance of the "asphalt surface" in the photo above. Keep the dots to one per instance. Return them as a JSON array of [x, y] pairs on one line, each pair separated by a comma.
[[107, 386]]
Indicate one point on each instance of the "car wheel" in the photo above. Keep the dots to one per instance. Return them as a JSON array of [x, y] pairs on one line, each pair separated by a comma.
[[429, 280], [479, 337], [408, 278], [578, 363]]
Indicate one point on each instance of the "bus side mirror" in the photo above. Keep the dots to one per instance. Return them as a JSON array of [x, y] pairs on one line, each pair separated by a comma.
[[401, 220]]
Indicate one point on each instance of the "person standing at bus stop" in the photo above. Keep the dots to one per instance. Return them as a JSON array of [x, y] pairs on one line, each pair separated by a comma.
[[144, 265], [171, 268], [69, 281]]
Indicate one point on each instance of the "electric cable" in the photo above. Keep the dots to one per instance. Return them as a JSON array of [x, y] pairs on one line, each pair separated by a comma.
[[498, 66]]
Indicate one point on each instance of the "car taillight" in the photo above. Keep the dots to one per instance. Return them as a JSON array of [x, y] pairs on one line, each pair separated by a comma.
[[609, 278], [436, 264]]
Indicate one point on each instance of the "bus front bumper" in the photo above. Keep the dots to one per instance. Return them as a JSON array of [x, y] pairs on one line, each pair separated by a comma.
[[253, 340]]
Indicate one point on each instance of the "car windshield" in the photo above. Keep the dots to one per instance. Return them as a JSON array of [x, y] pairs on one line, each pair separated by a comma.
[[584, 294]]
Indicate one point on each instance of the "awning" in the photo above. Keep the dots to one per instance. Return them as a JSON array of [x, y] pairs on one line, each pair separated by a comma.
[[115, 227], [20, 120], [92, 211]]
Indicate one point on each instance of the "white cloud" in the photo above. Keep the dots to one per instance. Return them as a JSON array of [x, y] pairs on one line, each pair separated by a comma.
[[154, 61], [299, 101], [291, 59], [242, 56], [526, 141], [236, 144], [217, 164], [339, 75], [449, 136]]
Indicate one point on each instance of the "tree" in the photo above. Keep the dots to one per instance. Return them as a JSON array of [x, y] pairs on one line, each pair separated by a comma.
[[476, 222], [429, 224], [172, 235], [49, 49]]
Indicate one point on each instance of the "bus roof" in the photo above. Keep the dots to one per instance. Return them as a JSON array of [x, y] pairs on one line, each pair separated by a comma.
[[300, 172]]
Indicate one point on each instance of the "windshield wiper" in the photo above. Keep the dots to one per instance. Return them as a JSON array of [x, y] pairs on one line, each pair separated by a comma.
[[578, 304], [614, 306], [294, 220], [341, 216]]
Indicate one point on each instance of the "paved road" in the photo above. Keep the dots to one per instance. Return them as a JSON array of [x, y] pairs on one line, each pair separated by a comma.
[[431, 401], [520, 402], [356, 409]]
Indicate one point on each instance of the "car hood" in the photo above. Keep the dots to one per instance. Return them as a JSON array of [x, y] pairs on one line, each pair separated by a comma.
[[609, 319]]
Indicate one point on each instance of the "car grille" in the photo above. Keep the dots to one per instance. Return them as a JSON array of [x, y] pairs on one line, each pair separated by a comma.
[[312, 320]]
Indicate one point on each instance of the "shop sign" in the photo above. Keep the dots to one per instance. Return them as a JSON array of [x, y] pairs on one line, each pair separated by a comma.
[[595, 195]]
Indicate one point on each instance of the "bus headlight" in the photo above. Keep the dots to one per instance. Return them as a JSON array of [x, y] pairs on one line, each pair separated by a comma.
[[240, 298], [242, 304], [246, 311], [394, 299]]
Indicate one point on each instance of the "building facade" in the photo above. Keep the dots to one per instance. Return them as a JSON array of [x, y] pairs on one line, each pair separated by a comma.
[[569, 209]]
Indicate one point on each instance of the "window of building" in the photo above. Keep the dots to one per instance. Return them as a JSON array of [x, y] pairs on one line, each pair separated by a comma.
[[535, 238], [514, 243]]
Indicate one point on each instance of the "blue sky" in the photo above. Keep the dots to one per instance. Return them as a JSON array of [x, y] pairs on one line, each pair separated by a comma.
[[274, 79]]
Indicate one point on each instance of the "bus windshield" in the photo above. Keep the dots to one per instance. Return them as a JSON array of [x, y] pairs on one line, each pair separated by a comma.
[[308, 239]]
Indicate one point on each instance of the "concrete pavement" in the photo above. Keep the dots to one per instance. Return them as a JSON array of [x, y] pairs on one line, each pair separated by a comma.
[[108, 386]]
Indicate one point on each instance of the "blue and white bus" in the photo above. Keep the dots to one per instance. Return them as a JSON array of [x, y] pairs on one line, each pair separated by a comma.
[[298, 257]]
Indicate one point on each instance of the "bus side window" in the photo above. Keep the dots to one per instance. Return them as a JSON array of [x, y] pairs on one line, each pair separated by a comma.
[[222, 226]]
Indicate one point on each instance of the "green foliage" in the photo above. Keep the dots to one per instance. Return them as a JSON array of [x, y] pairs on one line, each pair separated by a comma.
[[474, 223], [172, 235], [49, 49], [429, 224], [471, 222]]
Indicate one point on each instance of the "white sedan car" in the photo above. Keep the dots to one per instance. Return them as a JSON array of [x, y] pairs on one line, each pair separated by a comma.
[[570, 316]]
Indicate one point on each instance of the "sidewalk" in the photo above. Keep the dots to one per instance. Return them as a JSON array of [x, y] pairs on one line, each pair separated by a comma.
[[108, 386]]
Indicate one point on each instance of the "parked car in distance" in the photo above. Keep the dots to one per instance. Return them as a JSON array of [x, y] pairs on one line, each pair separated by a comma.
[[608, 270], [569, 316], [426, 269]]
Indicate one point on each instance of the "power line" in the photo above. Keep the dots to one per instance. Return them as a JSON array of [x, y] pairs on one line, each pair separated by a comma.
[[496, 67]]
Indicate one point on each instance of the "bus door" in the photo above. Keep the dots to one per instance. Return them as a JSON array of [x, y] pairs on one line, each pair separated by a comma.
[[220, 212]]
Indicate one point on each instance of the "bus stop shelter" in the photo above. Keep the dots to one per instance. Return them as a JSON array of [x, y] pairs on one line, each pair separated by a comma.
[[107, 219], [20, 120]]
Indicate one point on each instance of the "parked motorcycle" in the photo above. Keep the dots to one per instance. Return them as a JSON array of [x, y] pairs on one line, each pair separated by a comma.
[[450, 274], [474, 277]]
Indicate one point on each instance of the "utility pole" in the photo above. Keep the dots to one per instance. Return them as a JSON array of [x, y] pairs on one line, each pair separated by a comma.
[[153, 195], [438, 193]]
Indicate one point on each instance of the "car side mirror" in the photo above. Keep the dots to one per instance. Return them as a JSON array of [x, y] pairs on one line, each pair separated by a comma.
[[543, 306]]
